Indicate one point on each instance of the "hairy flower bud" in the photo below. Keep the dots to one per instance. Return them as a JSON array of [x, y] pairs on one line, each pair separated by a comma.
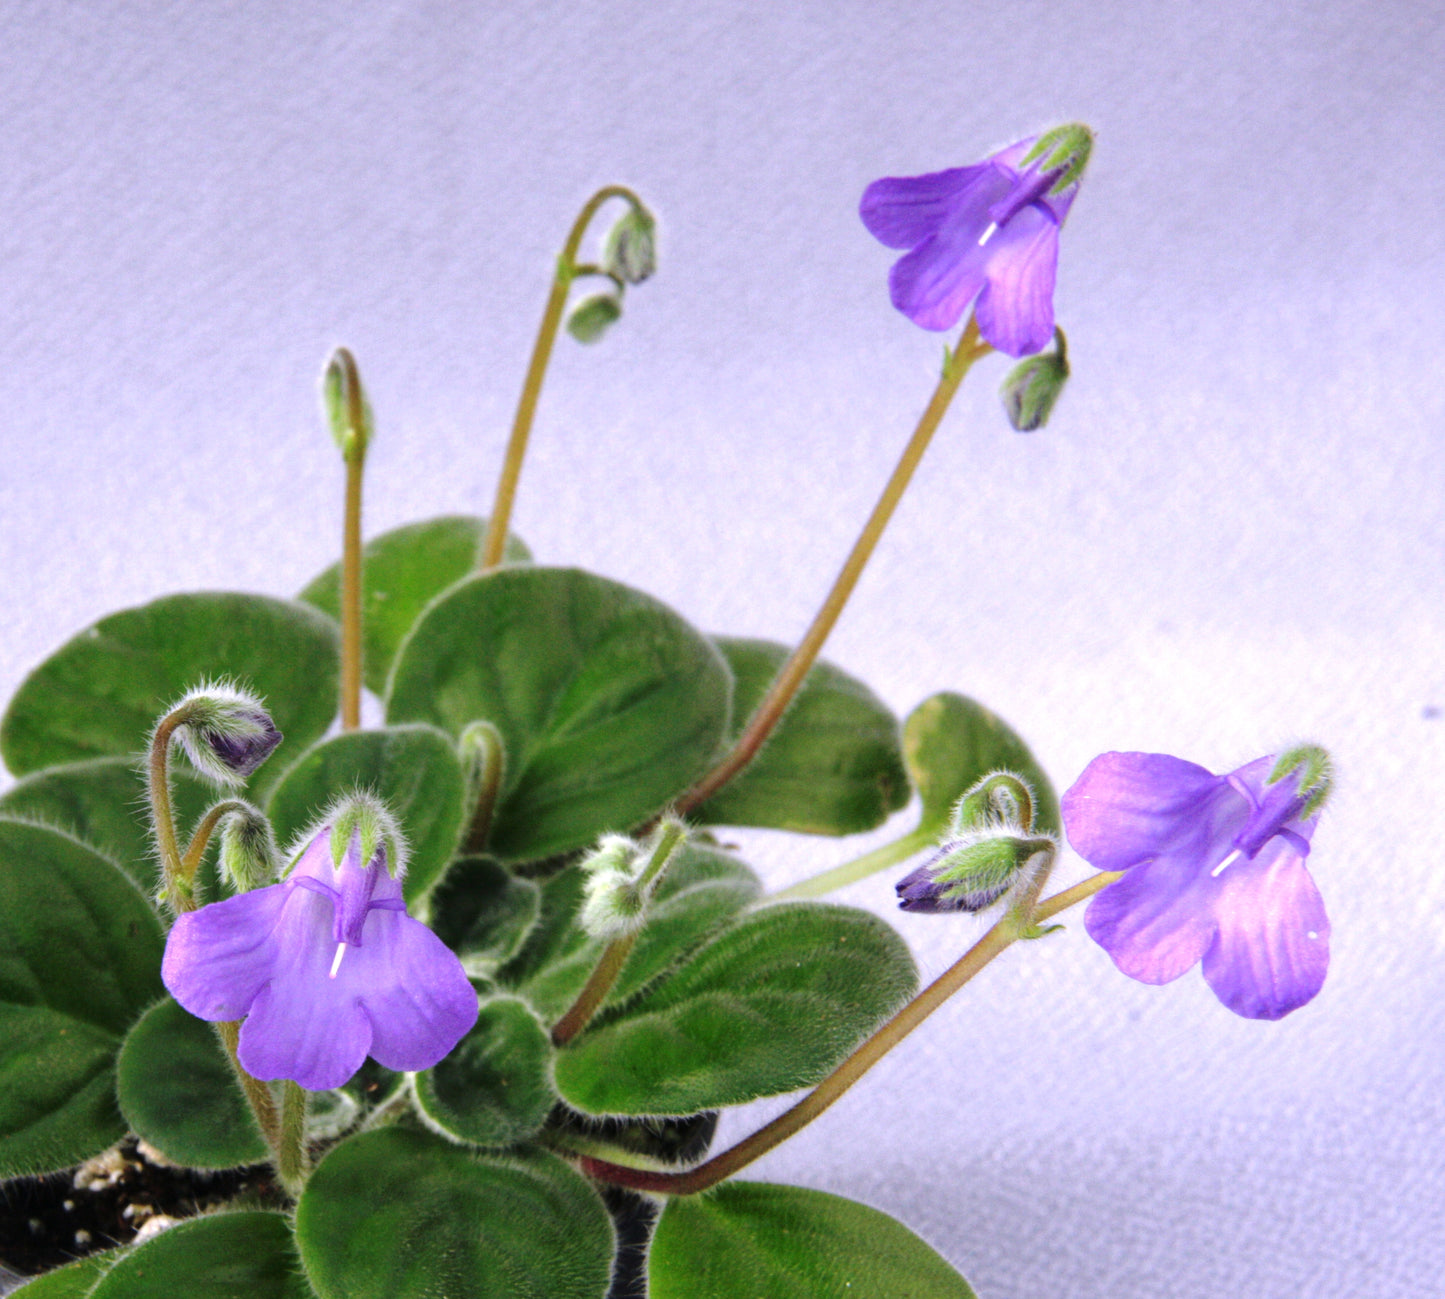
[[631, 250], [971, 874], [249, 857], [226, 732], [1034, 385], [593, 316]]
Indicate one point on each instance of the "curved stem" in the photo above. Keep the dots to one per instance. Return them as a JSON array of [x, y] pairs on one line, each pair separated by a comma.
[[790, 676], [163, 822], [495, 540], [201, 839], [1014, 924], [860, 868], [490, 760]]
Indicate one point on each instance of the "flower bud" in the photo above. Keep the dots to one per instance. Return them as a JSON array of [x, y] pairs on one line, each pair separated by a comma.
[[631, 250], [614, 906], [225, 732], [1034, 385], [347, 410], [593, 316], [1001, 800], [249, 857], [970, 874], [363, 817], [614, 852]]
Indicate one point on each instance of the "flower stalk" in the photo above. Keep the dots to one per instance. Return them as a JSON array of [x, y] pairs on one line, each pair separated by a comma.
[[790, 676], [1018, 921], [291, 1158], [568, 268], [350, 418]]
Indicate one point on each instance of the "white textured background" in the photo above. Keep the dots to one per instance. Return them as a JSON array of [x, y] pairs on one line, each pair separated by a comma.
[[1231, 536]]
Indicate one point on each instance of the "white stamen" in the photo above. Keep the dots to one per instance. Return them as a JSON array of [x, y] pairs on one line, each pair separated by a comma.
[[987, 234], [336, 960], [1233, 857], [1311, 934]]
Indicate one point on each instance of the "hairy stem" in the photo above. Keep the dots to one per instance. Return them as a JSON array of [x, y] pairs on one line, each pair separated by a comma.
[[263, 1104], [351, 551], [1014, 924], [291, 1158], [176, 883], [790, 676], [201, 839], [490, 555]]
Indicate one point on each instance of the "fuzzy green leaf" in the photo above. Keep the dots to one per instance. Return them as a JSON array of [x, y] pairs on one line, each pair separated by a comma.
[[607, 702], [483, 913], [219, 1256], [101, 693], [80, 954], [785, 1242], [771, 1004], [832, 765], [395, 1214]]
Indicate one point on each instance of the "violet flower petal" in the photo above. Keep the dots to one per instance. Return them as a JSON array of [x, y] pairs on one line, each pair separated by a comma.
[[1152, 922], [903, 211], [218, 958], [1272, 950], [1016, 308], [424, 1004], [1127, 807]]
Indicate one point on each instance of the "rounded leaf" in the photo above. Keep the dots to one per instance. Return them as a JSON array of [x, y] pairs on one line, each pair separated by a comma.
[[413, 769], [607, 702], [395, 1214], [80, 954], [402, 571], [771, 1004], [102, 692], [179, 1093], [950, 742], [786, 1242], [483, 913], [219, 1256], [495, 1087], [831, 766]]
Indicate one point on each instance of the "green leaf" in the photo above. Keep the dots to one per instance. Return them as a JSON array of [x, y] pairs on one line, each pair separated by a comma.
[[219, 1256], [495, 1087], [483, 913], [702, 889], [402, 571], [950, 742], [772, 1004], [832, 765], [178, 1091], [395, 1214], [80, 954], [415, 769], [607, 702], [73, 1281], [102, 803], [101, 693], [785, 1242]]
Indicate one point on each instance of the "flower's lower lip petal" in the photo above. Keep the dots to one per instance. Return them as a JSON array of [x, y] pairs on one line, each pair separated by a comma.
[[933, 285], [1272, 950], [218, 958], [417, 996], [316, 1036], [1016, 308], [1152, 922], [1128, 807], [903, 211]]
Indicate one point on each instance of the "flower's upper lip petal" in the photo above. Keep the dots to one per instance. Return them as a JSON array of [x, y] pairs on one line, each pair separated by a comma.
[[1016, 308], [1152, 922], [218, 958], [903, 211], [1272, 950], [1128, 807], [416, 995], [315, 860]]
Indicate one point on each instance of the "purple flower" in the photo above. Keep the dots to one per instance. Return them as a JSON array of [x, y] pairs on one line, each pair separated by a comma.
[[989, 232], [1214, 871], [326, 967]]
